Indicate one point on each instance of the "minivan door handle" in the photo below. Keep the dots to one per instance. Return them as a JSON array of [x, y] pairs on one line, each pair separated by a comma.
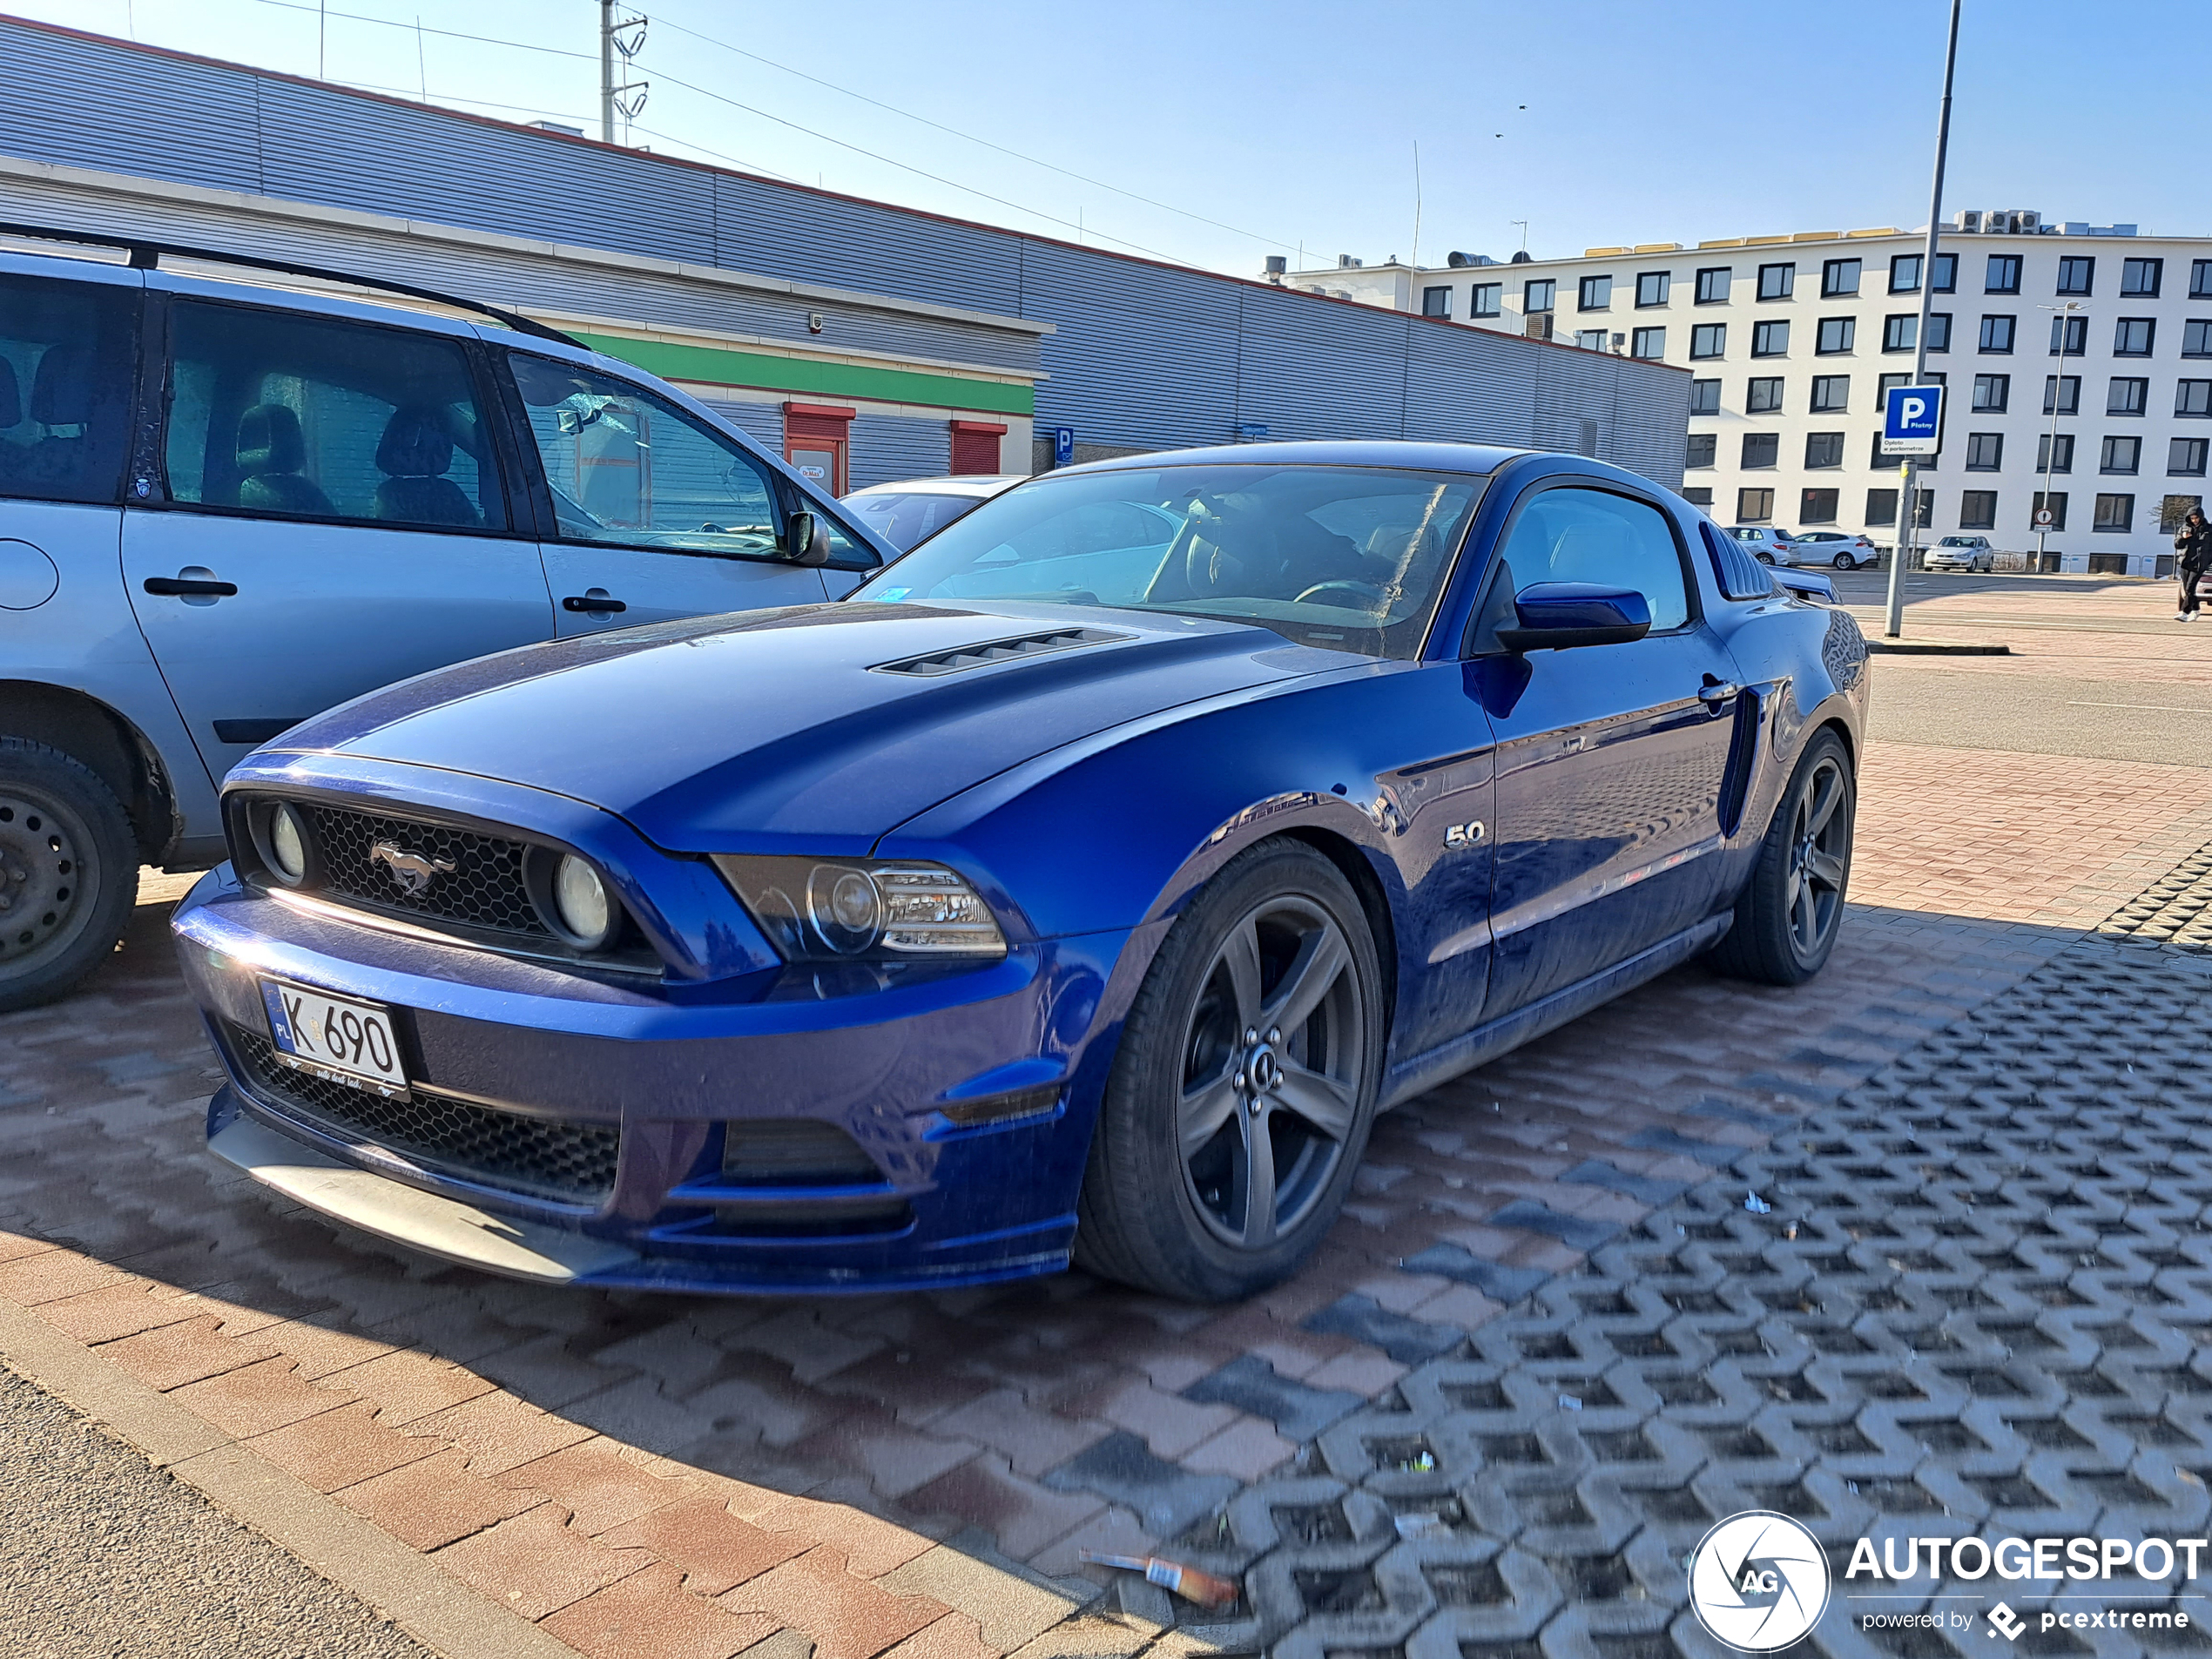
[[190, 587], [598, 603]]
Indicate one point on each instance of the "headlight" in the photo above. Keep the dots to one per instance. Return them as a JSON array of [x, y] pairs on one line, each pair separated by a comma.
[[582, 908], [281, 837], [842, 910]]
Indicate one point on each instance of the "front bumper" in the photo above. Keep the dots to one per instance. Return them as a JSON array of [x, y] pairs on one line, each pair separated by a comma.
[[573, 1130]]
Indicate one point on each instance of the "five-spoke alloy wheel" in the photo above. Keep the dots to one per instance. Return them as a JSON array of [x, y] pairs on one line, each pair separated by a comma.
[[1789, 914]]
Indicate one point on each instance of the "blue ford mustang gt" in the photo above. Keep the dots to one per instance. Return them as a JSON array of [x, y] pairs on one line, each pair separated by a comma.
[[1081, 888]]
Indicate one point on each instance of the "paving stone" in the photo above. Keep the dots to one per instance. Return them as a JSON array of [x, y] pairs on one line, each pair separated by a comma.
[[339, 1448], [1004, 1608], [846, 1617], [598, 1484], [650, 1613], [497, 1432], [256, 1399], [1364, 1319], [1659, 1138], [1644, 1189], [1251, 1385], [1032, 1440], [1166, 1496], [1572, 1231], [536, 1563], [717, 1551], [406, 1386], [1494, 1279], [1023, 1515], [435, 1502]]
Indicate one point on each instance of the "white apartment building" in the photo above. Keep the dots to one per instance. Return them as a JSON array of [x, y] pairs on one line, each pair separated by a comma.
[[1791, 340]]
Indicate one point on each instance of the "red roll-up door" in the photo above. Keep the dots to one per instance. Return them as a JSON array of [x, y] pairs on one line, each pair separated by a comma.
[[975, 447], [817, 438]]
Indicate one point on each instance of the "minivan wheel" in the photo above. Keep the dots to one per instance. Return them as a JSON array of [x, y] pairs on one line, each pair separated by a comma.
[[69, 873], [1790, 910], [1244, 1087]]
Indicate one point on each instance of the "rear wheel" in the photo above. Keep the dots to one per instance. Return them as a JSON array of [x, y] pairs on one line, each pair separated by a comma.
[[1246, 1083], [1844, 562], [1787, 915], [68, 872], [1763, 558]]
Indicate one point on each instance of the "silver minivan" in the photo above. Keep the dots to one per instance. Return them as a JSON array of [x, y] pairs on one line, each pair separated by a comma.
[[227, 506]]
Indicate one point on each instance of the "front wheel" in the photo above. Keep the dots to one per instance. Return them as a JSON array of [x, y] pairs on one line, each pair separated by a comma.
[[1243, 1087], [1787, 915], [69, 873]]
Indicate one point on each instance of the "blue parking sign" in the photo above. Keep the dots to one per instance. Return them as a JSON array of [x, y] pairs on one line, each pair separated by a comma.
[[1063, 445], [1913, 421]]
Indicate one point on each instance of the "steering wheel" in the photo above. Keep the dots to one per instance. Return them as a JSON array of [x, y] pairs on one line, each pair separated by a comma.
[[1365, 590]]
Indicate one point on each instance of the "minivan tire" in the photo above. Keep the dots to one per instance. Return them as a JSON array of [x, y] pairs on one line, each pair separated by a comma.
[[69, 871]]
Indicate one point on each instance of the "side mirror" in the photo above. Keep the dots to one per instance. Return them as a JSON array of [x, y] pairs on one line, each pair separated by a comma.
[[1558, 616], [805, 539]]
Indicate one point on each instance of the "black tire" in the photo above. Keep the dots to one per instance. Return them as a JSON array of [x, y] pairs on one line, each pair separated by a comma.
[[1844, 562], [1167, 1199], [1790, 910], [1763, 558], [69, 871]]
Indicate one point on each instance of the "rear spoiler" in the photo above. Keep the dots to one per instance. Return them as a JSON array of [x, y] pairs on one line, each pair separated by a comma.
[[1804, 585]]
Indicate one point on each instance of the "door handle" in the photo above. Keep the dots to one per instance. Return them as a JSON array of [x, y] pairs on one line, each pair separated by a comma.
[[195, 587], [592, 603], [1717, 692]]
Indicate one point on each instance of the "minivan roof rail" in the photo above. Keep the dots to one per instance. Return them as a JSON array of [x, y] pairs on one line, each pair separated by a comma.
[[145, 254]]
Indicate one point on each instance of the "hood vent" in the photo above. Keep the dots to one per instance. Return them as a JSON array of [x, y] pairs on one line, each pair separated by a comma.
[[999, 651]]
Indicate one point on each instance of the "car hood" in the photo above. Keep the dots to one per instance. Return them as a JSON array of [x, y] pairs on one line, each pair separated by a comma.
[[821, 726]]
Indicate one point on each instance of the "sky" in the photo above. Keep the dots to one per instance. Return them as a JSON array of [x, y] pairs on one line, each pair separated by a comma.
[[1217, 133]]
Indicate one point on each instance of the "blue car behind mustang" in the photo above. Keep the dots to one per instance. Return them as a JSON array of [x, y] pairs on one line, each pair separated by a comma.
[[1081, 888]]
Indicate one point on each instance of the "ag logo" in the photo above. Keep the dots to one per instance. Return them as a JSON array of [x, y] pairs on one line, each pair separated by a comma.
[[1758, 1582]]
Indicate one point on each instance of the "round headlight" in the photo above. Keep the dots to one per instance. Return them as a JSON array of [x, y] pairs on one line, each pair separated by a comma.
[[845, 908], [582, 901], [287, 844]]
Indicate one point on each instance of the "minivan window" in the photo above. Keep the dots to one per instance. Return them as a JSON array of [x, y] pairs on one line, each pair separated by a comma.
[[67, 350], [313, 417], [627, 467]]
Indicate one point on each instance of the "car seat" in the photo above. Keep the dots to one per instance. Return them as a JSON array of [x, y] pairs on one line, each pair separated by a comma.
[[270, 454], [11, 454], [61, 402], [414, 455]]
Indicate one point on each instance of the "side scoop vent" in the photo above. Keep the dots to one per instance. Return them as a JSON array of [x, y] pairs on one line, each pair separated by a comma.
[[999, 651]]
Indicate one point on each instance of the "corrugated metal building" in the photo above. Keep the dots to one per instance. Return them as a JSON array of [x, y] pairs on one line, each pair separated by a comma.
[[787, 306]]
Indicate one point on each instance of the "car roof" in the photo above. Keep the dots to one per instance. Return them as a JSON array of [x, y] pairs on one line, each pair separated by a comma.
[[1324, 452], [981, 486]]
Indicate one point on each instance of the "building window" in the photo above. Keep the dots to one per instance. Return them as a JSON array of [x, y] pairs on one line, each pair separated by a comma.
[[2196, 339], [2139, 278], [1595, 293], [1708, 339], [2127, 396], [1763, 396], [1703, 447], [1939, 331], [2077, 274], [1713, 282], [1901, 331], [2185, 457], [1698, 496], [2173, 510], [2200, 279], [1992, 393], [2120, 454], [1881, 507], [1436, 302], [1822, 450], [1977, 509], [2193, 398], [2065, 390], [1836, 334], [1590, 339], [1651, 289], [1997, 334], [1483, 299], [1704, 397], [1647, 342], [1830, 394], [1762, 450], [2043, 462], [1890, 382], [1904, 273], [2055, 501], [2070, 336], [2131, 336], [2004, 275], [1537, 295], [1776, 282], [1817, 506], [1769, 340], [2114, 513], [1754, 506], [1839, 278], [1986, 451]]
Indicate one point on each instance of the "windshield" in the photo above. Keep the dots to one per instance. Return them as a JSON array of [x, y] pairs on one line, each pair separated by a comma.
[[904, 517], [1348, 558]]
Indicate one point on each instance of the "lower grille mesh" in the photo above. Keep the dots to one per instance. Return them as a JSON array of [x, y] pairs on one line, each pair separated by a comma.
[[572, 1161]]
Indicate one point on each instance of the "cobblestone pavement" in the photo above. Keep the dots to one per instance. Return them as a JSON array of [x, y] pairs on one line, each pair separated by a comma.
[[917, 1474]]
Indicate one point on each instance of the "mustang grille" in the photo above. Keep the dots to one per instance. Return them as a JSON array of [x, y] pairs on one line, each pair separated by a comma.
[[999, 651], [483, 888], [572, 1161]]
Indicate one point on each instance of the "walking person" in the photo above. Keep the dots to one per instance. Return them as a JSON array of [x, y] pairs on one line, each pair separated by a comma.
[[2193, 543]]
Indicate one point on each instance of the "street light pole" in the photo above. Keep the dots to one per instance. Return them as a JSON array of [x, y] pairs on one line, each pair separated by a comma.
[[1908, 496], [2051, 454]]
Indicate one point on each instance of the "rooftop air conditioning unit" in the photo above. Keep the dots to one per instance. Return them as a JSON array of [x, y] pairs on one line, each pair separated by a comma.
[[1277, 264], [1345, 262], [1456, 259], [1969, 219]]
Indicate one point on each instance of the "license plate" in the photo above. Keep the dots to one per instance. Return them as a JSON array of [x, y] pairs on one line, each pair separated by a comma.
[[334, 1037]]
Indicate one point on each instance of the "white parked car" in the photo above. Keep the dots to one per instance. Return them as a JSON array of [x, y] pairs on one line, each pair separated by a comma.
[[907, 514], [1767, 546], [1834, 548], [1961, 553]]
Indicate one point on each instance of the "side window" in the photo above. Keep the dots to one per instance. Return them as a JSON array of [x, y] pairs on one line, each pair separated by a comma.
[[1571, 534], [313, 417], [627, 467], [67, 350]]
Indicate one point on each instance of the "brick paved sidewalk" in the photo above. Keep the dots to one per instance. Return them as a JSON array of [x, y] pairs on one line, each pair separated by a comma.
[[916, 1474]]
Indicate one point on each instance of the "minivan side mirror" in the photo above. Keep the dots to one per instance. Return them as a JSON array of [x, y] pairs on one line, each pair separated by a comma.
[[805, 539], [1558, 616]]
